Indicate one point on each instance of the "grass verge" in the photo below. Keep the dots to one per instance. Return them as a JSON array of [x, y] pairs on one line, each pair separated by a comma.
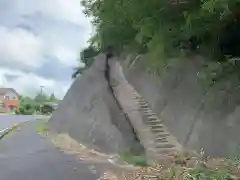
[[10, 131], [13, 130], [131, 158], [43, 128]]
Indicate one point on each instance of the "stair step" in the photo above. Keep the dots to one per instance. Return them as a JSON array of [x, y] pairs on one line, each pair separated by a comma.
[[133, 93], [152, 118], [165, 151], [161, 135], [160, 141], [149, 114], [159, 130], [148, 111], [156, 123], [164, 145], [144, 106], [156, 127], [142, 102]]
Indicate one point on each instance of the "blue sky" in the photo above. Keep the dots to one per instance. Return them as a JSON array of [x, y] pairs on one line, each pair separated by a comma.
[[40, 41]]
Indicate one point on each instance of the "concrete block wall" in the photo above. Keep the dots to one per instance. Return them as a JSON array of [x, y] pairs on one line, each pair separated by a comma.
[[197, 116]]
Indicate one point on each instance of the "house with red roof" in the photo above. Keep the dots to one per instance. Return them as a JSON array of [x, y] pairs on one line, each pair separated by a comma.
[[9, 100]]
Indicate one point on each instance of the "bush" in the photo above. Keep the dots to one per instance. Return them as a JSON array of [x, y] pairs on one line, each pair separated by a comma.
[[131, 158]]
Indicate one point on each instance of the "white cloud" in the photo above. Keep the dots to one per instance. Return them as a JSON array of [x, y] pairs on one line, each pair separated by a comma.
[[65, 55], [23, 48], [29, 83], [66, 10], [55, 28], [55, 38], [20, 46], [69, 10]]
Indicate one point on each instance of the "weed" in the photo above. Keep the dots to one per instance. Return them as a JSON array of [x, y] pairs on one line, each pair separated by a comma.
[[207, 174], [181, 158], [13, 130], [131, 158], [174, 173], [43, 128]]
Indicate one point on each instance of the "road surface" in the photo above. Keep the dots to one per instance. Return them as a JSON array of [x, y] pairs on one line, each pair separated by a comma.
[[7, 121], [26, 155]]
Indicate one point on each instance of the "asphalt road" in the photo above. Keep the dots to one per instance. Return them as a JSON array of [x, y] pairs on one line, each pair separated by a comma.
[[9, 120], [26, 155]]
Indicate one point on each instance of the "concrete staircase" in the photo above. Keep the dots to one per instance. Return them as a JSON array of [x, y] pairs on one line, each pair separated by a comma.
[[151, 131], [164, 141]]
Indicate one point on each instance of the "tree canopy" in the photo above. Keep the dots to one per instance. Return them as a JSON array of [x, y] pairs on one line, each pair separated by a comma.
[[30, 105], [87, 57], [52, 98], [168, 25]]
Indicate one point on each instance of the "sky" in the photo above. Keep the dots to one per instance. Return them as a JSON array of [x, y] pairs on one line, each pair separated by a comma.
[[40, 41]]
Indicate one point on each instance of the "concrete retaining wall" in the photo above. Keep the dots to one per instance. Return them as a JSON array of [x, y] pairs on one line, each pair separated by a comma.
[[89, 113], [199, 117]]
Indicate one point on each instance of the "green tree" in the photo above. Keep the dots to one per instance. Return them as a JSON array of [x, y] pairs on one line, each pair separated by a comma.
[[41, 98], [27, 106], [87, 57], [167, 25], [52, 98]]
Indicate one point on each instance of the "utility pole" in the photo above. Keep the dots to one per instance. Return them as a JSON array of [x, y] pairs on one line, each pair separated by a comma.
[[41, 94]]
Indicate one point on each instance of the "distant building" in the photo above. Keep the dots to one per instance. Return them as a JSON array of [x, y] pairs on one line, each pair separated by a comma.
[[9, 100]]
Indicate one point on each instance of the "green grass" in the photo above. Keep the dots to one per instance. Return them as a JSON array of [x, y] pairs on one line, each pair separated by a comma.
[[197, 173], [43, 128], [131, 158], [13, 130], [206, 174], [10, 132]]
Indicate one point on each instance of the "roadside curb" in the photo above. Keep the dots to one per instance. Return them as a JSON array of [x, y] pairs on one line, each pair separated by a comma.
[[6, 131]]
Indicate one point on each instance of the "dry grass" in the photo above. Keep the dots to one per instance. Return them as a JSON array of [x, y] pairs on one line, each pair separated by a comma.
[[176, 166], [65, 143], [188, 168]]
